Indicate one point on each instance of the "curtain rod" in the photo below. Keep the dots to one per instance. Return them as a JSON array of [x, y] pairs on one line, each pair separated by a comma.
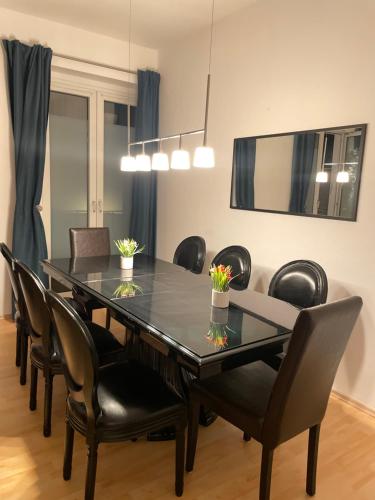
[[79, 59]]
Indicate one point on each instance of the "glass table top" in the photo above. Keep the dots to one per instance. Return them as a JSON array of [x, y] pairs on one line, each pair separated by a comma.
[[176, 303]]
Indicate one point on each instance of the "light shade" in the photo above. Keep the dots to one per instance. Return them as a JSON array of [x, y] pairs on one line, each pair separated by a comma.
[[128, 164], [143, 163], [342, 176], [160, 161], [204, 157], [180, 160], [322, 176]]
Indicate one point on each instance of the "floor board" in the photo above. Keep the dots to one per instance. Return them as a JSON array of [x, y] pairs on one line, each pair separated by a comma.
[[226, 467]]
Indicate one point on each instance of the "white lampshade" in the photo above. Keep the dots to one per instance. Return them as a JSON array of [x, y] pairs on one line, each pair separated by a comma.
[[342, 176], [160, 161], [322, 176], [204, 157], [128, 164], [143, 163], [180, 160]]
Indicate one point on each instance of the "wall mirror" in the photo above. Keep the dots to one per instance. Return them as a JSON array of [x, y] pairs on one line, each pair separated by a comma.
[[314, 173]]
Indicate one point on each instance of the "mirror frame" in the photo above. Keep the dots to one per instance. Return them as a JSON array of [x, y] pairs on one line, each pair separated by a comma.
[[361, 155]]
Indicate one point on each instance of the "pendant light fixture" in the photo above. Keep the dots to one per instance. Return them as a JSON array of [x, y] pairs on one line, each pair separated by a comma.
[[180, 158], [143, 161], [128, 162], [204, 156], [160, 160]]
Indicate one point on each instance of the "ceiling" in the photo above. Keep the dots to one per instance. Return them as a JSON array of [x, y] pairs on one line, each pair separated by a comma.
[[155, 22]]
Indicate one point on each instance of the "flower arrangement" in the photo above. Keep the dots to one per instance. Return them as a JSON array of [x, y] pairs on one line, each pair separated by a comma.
[[127, 289], [128, 247], [221, 276]]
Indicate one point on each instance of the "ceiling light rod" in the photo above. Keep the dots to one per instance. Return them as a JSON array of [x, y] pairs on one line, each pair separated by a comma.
[[206, 111], [208, 75], [167, 137]]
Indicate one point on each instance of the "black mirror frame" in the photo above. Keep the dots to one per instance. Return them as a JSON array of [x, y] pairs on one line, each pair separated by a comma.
[[363, 126]]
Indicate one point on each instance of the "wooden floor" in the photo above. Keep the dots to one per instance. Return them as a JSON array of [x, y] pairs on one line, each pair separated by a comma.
[[226, 467]]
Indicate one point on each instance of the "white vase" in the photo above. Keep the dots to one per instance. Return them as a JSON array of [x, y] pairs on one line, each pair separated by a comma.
[[126, 262], [220, 299]]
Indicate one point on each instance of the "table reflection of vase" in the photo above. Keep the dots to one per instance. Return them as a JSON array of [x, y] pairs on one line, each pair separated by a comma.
[[127, 274], [219, 315]]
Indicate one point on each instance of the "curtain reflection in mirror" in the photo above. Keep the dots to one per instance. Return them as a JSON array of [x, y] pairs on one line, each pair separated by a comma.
[[303, 176], [244, 161]]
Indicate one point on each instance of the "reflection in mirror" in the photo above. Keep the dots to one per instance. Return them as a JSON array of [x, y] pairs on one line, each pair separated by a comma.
[[315, 173]]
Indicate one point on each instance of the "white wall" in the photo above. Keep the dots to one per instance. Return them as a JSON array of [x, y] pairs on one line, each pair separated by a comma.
[[277, 67], [273, 171], [65, 40]]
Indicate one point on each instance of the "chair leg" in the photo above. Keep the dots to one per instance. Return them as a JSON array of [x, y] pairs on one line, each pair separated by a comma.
[[48, 390], [18, 345], [265, 474], [68, 454], [92, 456], [33, 386], [312, 460], [194, 409], [108, 320], [24, 354], [246, 436], [180, 459]]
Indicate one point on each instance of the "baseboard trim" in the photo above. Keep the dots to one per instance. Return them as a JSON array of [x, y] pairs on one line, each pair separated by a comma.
[[353, 403], [6, 316]]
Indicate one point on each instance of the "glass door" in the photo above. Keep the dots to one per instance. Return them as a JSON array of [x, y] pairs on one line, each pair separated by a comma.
[[114, 186], [83, 184]]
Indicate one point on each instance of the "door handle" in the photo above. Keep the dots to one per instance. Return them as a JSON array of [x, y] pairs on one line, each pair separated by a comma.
[[93, 206], [100, 206]]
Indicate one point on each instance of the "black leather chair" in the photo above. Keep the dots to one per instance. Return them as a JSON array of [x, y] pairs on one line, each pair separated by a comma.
[[22, 335], [44, 352], [273, 407], [115, 403], [191, 254], [89, 242], [239, 258], [302, 283]]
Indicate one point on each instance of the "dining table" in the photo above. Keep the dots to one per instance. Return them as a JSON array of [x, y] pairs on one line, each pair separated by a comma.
[[168, 310]]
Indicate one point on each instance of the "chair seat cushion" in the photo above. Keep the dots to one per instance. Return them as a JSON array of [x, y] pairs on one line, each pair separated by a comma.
[[133, 399], [241, 395]]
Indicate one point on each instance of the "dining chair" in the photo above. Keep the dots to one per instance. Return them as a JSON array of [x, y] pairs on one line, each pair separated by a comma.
[[115, 403], [239, 259], [89, 242], [302, 283], [191, 254], [44, 352], [273, 407], [22, 335]]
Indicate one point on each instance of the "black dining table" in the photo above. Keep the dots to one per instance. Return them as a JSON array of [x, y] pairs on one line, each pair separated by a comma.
[[170, 308]]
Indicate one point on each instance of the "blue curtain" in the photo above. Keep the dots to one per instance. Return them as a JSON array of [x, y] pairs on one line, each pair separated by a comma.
[[244, 158], [144, 191], [302, 164], [29, 72]]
